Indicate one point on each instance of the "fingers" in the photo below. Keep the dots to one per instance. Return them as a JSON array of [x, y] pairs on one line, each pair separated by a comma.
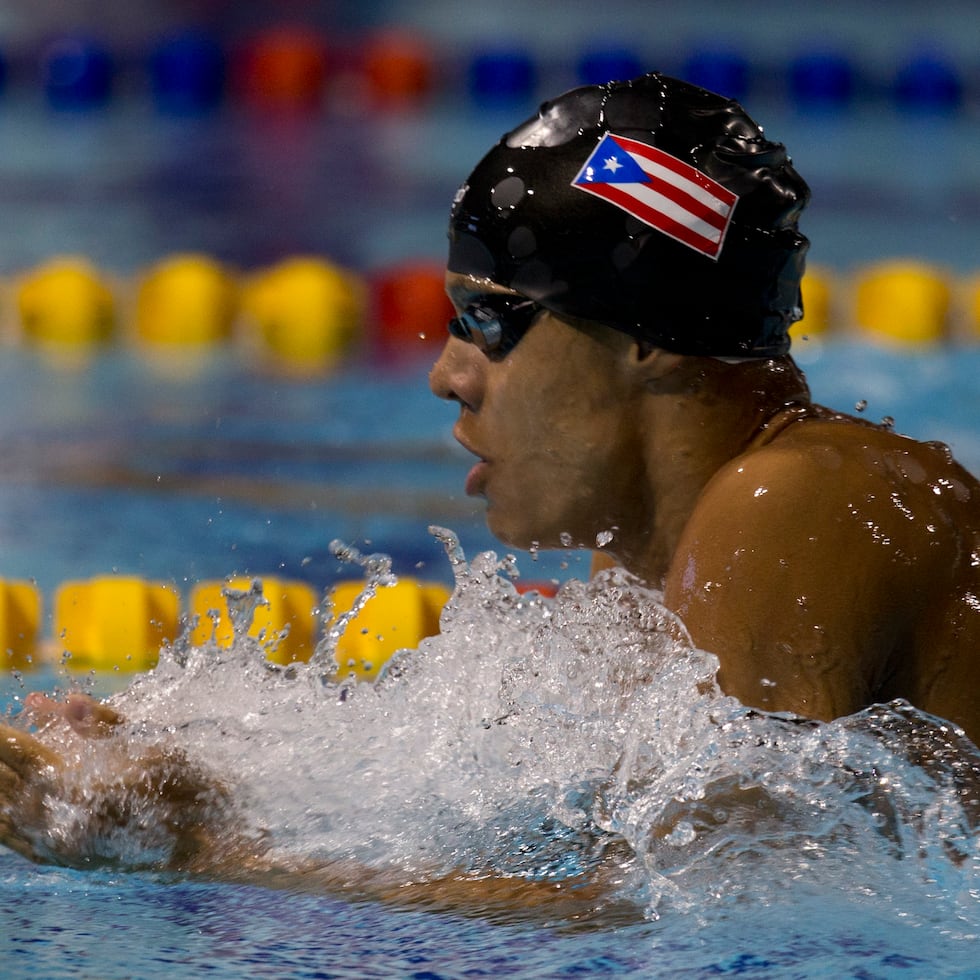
[[24, 754], [90, 717], [11, 788], [85, 715], [41, 710], [22, 758]]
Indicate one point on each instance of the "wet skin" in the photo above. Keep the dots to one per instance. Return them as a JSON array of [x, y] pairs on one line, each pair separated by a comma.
[[194, 817], [827, 562]]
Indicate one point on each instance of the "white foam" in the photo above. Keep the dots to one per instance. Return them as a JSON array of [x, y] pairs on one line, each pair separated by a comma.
[[534, 736]]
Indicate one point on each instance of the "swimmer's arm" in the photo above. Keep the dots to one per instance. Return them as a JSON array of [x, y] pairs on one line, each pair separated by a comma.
[[462, 892], [208, 841], [775, 577], [156, 787]]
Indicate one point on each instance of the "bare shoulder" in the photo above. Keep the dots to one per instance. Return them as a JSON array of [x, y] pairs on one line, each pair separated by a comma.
[[809, 560], [821, 465]]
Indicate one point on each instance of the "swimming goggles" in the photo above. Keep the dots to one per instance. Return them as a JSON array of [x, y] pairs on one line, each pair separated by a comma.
[[496, 323]]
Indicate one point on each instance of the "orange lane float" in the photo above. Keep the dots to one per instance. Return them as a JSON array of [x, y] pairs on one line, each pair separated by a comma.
[[282, 69], [547, 589], [411, 307], [398, 69]]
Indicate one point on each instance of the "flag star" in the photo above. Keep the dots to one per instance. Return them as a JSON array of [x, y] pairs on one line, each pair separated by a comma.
[[612, 164]]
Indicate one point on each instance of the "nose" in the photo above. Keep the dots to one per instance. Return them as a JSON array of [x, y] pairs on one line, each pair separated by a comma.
[[459, 374]]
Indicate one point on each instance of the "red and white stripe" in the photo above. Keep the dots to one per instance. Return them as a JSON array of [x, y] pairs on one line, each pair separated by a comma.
[[676, 198]]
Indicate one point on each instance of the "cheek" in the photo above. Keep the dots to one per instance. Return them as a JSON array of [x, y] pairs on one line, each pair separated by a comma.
[[560, 430], [558, 481]]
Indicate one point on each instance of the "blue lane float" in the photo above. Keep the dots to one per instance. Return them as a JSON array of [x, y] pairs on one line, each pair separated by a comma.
[[77, 72], [502, 76], [825, 79], [608, 64], [718, 69], [187, 72], [928, 82]]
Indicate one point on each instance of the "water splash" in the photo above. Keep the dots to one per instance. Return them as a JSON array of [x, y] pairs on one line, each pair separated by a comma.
[[543, 737]]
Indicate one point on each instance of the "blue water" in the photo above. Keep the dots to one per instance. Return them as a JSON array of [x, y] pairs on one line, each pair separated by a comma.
[[61, 924], [124, 466], [87, 499], [868, 869]]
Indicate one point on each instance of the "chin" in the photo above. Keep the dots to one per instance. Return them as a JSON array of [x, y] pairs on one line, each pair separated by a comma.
[[506, 534], [516, 532], [510, 530]]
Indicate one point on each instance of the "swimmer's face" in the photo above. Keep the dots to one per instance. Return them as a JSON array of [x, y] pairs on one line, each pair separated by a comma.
[[548, 419]]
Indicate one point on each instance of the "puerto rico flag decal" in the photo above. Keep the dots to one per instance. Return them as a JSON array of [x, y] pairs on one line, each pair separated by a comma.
[[662, 191]]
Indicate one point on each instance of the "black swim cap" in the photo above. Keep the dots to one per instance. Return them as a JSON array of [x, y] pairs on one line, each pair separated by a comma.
[[652, 206]]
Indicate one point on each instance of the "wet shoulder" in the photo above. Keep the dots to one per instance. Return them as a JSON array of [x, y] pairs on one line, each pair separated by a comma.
[[843, 456]]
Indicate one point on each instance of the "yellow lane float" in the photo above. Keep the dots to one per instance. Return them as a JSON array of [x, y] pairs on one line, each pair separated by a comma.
[[65, 302], [115, 622], [305, 312], [395, 618], [286, 620], [186, 300], [303, 315], [20, 618], [903, 300]]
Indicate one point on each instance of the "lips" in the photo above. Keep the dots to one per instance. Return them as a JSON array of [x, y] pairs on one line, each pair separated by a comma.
[[477, 477]]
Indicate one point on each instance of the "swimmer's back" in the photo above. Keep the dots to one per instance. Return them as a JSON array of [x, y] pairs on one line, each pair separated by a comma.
[[919, 508], [853, 574]]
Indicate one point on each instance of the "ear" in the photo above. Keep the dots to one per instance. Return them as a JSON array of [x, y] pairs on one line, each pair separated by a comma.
[[652, 363]]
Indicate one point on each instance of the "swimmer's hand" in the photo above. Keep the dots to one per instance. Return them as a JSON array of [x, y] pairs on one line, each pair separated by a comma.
[[83, 714], [80, 793]]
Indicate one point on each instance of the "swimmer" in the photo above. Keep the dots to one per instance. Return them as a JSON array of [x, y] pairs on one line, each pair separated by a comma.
[[625, 268]]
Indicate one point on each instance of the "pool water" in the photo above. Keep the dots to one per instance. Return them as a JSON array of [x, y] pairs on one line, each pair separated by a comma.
[[496, 746], [829, 895], [221, 471], [67, 924]]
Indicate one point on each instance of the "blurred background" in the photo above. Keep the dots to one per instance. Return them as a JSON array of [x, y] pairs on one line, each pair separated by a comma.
[[252, 130], [223, 224]]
